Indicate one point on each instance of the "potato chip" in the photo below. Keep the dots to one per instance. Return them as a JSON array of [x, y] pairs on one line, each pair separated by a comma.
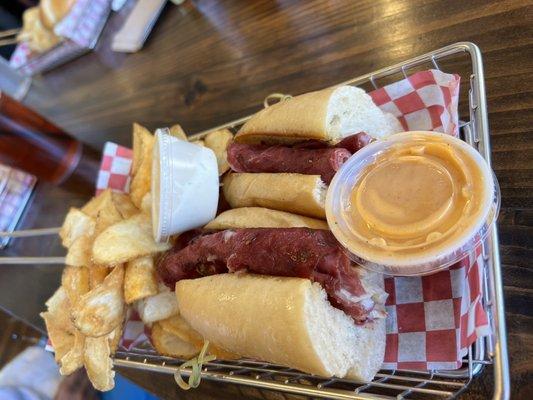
[[180, 328], [94, 205], [102, 309], [58, 324], [75, 281], [107, 215], [80, 252], [68, 342], [140, 133], [142, 172], [76, 224], [97, 274], [169, 345], [61, 338], [218, 141], [126, 241], [177, 131], [98, 363], [140, 183], [73, 359], [114, 337], [57, 302], [199, 143], [139, 279], [146, 204], [59, 305], [34, 33], [124, 205], [156, 308]]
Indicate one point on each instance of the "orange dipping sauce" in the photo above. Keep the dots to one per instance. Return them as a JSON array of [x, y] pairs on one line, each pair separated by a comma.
[[419, 198]]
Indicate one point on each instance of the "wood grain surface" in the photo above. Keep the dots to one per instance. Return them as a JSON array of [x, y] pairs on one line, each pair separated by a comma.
[[207, 62]]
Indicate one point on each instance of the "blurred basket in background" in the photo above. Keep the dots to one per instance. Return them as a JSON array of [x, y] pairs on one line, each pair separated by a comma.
[[80, 31]]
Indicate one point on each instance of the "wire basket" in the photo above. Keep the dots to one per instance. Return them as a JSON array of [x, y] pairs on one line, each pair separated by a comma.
[[387, 384], [397, 384]]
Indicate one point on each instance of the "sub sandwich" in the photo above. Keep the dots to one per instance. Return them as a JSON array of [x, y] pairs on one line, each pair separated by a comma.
[[275, 286], [284, 157]]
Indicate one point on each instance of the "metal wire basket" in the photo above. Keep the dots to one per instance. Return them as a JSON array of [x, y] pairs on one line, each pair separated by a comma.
[[397, 384]]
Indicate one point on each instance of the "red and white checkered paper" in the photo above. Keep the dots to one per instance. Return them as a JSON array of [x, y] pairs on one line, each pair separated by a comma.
[[431, 319], [115, 169]]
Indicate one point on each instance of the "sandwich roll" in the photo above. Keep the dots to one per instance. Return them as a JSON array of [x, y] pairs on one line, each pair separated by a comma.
[[282, 320], [371, 337], [327, 115], [296, 193], [259, 217]]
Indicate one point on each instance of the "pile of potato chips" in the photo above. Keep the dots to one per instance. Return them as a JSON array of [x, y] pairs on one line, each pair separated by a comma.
[[110, 266]]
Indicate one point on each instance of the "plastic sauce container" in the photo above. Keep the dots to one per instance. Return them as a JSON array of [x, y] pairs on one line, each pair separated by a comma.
[[185, 186], [412, 203]]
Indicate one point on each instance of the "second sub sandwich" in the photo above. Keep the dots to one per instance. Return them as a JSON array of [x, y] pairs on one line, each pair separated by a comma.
[[286, 294], [285, 155]]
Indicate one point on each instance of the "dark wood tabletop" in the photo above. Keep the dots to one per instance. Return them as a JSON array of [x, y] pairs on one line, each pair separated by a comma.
[[208, 62]]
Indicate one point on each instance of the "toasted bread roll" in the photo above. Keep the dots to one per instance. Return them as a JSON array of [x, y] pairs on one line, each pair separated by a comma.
[[327, 115], [259, 217], [287, 321], [296, 193]]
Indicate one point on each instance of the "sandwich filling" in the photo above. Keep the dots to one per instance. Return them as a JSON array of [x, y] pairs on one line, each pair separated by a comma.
[[291, 252], [310, 157]]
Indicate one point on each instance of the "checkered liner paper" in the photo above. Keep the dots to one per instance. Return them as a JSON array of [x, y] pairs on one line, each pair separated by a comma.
[[431, 319]]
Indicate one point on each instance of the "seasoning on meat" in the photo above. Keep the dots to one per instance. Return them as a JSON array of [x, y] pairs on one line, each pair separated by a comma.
[[291, 252], [309, 158], [263, 158]]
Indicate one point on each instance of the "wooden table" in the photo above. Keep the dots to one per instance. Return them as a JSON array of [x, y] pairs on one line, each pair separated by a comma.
[[208, 62]]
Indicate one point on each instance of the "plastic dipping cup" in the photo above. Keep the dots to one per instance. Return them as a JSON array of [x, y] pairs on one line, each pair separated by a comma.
[[438, 203], [185, 186]]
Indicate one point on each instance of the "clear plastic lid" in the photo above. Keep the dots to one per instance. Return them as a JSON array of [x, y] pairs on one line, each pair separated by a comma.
[[413, 203]]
